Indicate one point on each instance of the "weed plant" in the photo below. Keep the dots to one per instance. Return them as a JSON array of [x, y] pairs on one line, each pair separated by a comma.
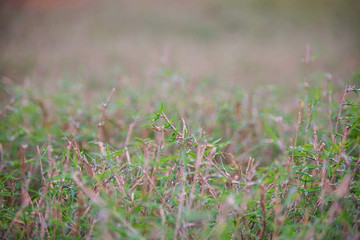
[[245, 170]]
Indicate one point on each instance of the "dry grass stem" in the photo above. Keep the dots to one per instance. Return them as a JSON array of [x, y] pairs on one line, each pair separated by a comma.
[[127, 141]]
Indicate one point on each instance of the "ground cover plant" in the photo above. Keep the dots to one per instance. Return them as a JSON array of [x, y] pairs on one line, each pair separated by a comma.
[[234, 169]]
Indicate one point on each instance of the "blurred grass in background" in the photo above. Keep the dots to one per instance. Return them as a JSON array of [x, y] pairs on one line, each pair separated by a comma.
[[224, 44]]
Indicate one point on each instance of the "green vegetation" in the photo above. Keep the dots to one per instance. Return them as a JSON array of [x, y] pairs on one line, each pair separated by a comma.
[[213, 131], [239, 168]]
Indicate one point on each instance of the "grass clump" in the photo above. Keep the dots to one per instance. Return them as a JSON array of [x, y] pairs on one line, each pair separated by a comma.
[[75, 172]]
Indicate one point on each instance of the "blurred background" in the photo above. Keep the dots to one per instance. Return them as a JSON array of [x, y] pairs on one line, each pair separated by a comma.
[[148, 45]]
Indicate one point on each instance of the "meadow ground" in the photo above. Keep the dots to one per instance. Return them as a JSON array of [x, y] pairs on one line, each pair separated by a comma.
[[169, 120]]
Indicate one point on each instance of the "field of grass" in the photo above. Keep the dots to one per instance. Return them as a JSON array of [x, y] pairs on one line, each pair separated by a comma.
[[244, 170], [141, 122]]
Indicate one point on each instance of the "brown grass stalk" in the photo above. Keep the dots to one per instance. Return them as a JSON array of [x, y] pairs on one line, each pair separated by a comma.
[[137, 183], [278, 218], [323, 185], [248, 175], [24, 194], [340, 111], [263, 210], [355, 171], [225, 174], [43, 226], [158, 193], [341, 191], [2, 165], [200, 154], [86, 165], [146, 188], [237, 165], [184, 126], [103, 114], [127, 141], [43, 109], [41, 166], [120, 181], [308, 123], [330, 101], [208, 186], [342, 154]]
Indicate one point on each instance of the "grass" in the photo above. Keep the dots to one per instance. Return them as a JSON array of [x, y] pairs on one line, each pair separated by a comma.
[[182, 148], [248, 43], [230, 169]]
